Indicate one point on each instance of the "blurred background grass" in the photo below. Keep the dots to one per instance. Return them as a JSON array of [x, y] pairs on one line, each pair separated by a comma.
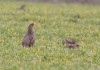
[[54, 23], [62, 1]]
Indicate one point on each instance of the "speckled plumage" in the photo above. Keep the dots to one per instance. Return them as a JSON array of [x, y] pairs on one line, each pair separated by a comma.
[[29, 38], [70, 43], [72, 46]]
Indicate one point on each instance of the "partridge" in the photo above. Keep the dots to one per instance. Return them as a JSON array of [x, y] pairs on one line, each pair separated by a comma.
[[29, 38]]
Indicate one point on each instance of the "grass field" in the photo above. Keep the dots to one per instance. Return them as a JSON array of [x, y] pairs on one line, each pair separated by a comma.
[[54, 23]]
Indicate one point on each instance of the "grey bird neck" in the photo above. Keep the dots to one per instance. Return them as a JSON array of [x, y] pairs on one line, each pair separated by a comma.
[[30, 30]]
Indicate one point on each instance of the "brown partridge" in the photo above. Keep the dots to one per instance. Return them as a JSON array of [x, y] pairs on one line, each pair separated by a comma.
[[72, 46], [22, 7], [70, 43], [29, 38]]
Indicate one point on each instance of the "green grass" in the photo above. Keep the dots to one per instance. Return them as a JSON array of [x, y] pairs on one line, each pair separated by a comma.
[[53, 24]]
